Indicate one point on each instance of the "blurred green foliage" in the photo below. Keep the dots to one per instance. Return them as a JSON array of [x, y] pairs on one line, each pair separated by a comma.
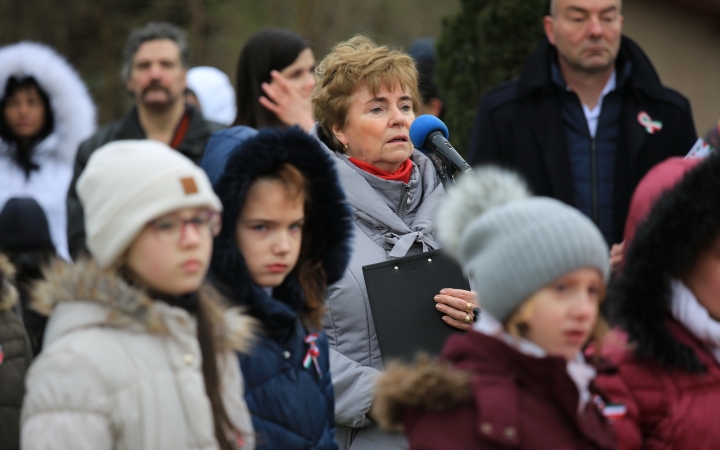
[[485, 43]]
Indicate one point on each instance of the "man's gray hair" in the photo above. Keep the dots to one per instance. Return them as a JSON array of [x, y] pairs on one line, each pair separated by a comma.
[[150, 32], [552, 7]]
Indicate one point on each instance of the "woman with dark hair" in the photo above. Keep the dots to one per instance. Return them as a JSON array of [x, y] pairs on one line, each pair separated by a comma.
[[275, 78], [45, 113]]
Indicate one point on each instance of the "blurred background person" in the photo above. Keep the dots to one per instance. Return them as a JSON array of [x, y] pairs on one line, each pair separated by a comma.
[[365, 102], [25, 240], [665, 368], [275, 78], [154, 67], [45, 113], [423, 52], [212, 93], [587, 118], [15, 358]]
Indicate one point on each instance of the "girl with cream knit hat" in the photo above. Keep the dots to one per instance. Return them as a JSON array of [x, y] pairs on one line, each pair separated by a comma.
[[138, 352], [518, 379]]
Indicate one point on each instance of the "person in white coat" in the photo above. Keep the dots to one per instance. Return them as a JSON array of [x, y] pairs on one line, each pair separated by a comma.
[[138, 352], [45, 113]]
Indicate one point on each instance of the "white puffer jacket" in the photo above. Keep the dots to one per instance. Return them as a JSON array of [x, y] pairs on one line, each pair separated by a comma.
[[74, 117], [121, 371]]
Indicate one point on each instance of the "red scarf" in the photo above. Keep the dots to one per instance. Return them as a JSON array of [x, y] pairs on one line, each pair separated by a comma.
[[402, 174]]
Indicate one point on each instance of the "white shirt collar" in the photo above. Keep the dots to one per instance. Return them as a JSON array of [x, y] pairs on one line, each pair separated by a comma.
[[592, 116]]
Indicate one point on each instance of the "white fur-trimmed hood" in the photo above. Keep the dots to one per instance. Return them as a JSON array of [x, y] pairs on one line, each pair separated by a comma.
[[70, 101]]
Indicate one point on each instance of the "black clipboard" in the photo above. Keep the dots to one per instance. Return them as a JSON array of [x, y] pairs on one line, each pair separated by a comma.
[[401, 293]]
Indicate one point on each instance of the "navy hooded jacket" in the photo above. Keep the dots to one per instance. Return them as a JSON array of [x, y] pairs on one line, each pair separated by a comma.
[[292, 407]]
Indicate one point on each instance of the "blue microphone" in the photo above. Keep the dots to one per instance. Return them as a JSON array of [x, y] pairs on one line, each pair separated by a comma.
[[430, 135]]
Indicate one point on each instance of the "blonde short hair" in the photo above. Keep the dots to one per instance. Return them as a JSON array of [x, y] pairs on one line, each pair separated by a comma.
[[348, 66]]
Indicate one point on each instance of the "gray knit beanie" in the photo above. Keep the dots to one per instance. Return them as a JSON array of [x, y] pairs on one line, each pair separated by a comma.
[[510, 244]]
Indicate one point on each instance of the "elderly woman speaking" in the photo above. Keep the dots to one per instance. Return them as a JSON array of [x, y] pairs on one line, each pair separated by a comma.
[[365, 101]]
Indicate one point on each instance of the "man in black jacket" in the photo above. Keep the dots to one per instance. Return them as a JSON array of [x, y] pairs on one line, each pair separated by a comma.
[[155, 62], [588, 116]]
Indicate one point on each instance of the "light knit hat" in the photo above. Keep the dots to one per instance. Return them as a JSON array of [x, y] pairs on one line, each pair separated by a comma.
[[127, 184], [510, 244]]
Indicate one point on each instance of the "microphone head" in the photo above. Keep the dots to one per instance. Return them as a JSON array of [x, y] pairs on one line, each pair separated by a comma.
[[423, 126]]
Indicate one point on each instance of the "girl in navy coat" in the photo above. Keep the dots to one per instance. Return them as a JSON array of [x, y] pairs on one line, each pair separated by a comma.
[[285, 235]]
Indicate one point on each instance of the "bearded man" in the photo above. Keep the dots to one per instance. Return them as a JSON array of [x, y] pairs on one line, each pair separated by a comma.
[[155, 62]]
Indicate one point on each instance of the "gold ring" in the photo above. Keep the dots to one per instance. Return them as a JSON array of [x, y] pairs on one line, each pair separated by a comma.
[[467, 318], [468, 307]]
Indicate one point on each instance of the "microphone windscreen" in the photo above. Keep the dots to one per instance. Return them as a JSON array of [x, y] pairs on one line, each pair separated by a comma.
[[423, 126]]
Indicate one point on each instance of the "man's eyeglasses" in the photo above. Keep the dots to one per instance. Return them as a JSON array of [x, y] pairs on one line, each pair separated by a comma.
[[172, 229]]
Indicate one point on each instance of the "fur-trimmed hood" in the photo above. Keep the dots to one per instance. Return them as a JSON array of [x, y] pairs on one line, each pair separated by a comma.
[[329, 219], [428, 384], [72, 107], [123, 305], [8, 293], [681, 224]]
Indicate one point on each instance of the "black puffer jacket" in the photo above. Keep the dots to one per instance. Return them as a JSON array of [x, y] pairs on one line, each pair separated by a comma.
[[15, 358]]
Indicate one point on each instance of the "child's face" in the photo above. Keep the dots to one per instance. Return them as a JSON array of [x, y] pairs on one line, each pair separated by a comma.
[[269, 231], [703, 279], [172, 253], [564, 312]]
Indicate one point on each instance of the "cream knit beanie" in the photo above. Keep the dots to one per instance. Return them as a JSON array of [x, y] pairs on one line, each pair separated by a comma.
[[127, 184]]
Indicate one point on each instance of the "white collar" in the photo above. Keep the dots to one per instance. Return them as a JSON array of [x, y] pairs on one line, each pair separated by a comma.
[[578, 370], [692, 315]]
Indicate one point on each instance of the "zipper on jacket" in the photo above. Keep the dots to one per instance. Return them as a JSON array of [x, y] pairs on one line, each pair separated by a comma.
[[405, 201], [594, 180]]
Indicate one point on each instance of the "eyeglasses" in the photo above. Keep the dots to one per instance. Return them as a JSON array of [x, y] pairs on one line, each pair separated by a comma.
[[172, 229]]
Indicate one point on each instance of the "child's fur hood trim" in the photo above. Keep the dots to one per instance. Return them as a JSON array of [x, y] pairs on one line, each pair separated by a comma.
[[682, 224], [85, 281], [8, 293], [328, 222], [427, 384]]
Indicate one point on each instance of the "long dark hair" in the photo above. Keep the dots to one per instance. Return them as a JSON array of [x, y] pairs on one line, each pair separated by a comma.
[[265, 51], [21, 153]]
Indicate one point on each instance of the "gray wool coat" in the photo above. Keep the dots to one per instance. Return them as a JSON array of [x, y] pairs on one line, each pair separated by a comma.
[[392, 220]]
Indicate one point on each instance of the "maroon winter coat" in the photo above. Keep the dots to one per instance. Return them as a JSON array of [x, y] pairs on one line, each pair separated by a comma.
[[484, 394], [666, 409]]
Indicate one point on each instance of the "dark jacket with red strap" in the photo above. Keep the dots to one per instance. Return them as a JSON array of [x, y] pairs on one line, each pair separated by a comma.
[[490, 396], [519, 125]]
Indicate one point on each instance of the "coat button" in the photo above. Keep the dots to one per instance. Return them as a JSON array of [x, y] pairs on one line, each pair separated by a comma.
[[286, 354], [486, 428], [510, 433], [188, 358]]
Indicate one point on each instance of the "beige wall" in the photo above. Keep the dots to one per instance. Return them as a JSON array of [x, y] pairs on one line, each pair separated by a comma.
[[684, 46]]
